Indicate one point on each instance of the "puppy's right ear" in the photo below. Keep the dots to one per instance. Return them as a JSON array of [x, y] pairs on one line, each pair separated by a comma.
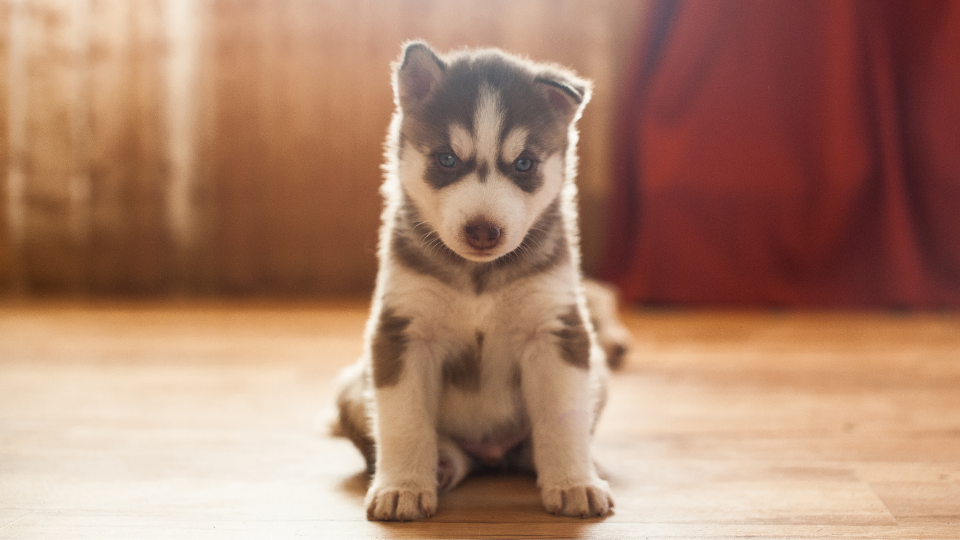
[[417, 74]]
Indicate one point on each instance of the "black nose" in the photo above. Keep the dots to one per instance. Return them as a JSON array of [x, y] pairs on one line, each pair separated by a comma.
[[482, 234]]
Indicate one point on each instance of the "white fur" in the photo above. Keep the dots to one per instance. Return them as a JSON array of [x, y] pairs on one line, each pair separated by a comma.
[[487, 124]]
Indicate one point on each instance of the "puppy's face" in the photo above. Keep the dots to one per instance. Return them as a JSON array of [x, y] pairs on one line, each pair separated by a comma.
[[482, 142]]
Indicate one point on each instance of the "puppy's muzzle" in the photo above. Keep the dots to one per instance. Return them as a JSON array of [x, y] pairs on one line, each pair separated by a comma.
[[482, 234]]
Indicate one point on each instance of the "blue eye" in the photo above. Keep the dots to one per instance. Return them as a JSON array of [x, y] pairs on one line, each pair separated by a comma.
[[523, 164], [447, 160]]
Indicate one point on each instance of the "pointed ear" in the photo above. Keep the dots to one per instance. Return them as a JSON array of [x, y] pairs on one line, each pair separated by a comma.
[[565, 92], [417, 74]]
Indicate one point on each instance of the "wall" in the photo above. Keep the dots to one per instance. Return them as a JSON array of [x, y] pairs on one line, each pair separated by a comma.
[[233, 147]]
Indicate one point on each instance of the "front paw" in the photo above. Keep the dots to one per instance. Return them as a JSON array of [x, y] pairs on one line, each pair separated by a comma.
[[584, 500], [400, 503]]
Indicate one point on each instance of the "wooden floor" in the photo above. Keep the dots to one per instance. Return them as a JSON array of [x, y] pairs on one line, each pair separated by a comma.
[[206, 421]]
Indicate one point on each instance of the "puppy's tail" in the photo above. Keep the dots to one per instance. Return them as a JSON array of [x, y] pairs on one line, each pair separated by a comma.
[[614, 337], [352, 420]]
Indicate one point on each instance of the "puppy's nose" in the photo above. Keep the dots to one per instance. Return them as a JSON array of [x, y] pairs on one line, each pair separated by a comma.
[[482, 234]]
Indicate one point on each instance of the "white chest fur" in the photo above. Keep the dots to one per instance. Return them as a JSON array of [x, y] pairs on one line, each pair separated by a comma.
[[474, 342]]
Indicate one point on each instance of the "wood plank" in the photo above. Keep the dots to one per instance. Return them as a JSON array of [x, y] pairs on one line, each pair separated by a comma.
[[185, 136], [206, 420], [6, 239], [131, 248], [52, 250]]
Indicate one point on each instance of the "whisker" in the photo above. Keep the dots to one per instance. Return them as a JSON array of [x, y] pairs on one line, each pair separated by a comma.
[[537, 240], [436, 246]]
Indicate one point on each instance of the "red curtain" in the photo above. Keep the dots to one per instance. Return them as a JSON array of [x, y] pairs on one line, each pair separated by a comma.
[[795, 153]]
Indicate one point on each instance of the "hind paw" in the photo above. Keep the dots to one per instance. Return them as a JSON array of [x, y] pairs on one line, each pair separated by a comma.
[[453, 465]]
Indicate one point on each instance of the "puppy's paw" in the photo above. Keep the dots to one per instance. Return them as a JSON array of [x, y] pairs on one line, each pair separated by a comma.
[[584, 500], [453, 465], [400, 503]]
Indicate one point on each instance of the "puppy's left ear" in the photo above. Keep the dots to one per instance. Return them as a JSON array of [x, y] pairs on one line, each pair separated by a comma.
[[566, 93], [417, 73]]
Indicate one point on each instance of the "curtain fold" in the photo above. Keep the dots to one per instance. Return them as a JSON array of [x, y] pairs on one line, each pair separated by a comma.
[[791, 154]]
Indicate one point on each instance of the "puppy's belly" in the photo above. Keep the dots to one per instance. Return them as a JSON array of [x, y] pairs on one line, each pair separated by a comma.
[[492, 452], [486, 424]]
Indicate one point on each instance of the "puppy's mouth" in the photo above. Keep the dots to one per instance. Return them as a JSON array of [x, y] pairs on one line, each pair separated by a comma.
[[477, 255], [482, 240]]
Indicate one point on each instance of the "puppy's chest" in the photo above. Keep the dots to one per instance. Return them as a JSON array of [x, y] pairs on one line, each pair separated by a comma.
[[475, 343], [485, 366], [478, 346]]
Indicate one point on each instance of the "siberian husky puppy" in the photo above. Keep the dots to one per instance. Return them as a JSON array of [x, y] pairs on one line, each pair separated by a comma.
[[480, 350]]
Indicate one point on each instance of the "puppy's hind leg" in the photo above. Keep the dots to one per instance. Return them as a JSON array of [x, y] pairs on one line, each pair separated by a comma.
[[453, 464], [353, 415]]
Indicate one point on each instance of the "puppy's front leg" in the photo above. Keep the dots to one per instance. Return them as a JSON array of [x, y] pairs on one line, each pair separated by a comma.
[[404, 486], [561, 406]]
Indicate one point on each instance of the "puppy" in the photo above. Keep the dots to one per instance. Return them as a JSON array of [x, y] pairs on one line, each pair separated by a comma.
[[480, 350]]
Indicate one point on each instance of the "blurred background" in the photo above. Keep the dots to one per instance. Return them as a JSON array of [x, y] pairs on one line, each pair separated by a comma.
[[802, 153], [234, 147]]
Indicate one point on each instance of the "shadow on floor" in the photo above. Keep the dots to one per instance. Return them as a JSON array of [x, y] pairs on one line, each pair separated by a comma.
[[485, 505]]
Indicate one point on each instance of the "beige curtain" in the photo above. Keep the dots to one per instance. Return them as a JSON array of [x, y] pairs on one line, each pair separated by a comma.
[[178, 146]]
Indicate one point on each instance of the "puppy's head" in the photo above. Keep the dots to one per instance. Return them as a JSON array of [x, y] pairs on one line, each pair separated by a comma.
[[483, 143]]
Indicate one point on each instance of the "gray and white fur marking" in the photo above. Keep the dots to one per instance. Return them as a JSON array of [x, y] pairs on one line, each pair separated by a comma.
[[480, 349]]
